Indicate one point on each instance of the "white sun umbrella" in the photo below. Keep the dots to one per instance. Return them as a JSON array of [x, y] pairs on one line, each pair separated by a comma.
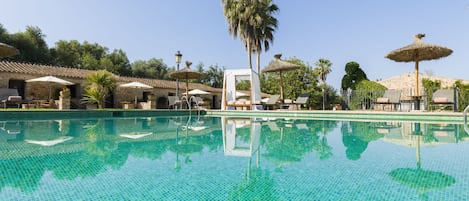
[[50, 79], [136, 85], [198, 92]]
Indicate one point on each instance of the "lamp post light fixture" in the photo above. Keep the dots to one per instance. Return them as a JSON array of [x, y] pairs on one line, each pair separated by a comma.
[[178, 61]]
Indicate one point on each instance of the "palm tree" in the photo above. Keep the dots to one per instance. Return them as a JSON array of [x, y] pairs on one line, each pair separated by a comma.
[[324, 68], [265, 31], [98, 85], [252, 22]]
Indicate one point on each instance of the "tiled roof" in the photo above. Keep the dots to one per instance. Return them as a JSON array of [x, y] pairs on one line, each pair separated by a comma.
[[37, 69], [42, 70]]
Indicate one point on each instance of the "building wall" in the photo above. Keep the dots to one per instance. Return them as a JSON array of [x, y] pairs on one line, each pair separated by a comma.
[[120, 94]]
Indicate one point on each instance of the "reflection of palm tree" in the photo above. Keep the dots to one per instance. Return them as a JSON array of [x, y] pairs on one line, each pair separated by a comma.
[[317, 131], [419, 179], [256, 185], [98, 145]]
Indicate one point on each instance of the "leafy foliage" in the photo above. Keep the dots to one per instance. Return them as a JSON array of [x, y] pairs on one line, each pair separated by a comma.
[[353, 75], [98, 85], [323, 68], [296, 82], [153, 68], [252, 22]]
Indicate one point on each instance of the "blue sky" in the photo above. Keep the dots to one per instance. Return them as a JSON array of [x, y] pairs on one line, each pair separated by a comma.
[[341, 31]]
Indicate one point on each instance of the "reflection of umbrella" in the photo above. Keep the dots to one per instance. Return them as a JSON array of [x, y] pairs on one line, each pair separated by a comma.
[[7, 50], [50, 79], [135, 135], [418, 51], [187, 74], [198, 92], [422, 180], [49, 142], [279, 66], [136, 85]]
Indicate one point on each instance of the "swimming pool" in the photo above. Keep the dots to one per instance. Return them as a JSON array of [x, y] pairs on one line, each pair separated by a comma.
[[232, 158]]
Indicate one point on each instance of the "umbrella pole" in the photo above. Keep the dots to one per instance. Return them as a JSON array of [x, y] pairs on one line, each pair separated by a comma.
[[417, 78], [418, 152], [135, 103], [281, 87], [187, 88], [50, 93]]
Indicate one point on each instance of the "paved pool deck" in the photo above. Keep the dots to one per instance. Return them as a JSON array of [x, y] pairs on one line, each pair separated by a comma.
[[423, 116]]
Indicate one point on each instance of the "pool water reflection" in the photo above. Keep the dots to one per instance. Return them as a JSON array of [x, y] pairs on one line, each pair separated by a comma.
[[232, 158]]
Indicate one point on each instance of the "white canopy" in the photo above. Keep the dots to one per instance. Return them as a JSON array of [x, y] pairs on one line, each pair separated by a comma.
[[229, 88], [51, 79], [136, 85], [198, 92]]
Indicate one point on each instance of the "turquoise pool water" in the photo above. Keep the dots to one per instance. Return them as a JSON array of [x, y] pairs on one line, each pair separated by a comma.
[[232, 158]]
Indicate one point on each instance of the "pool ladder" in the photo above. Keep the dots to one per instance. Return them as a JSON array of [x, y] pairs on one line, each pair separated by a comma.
[[465, 119], [189, 103]]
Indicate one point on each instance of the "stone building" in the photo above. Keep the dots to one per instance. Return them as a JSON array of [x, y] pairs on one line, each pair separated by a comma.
[[13, 75]]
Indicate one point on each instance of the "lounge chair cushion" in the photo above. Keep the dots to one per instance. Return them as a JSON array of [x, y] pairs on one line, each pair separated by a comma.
[[440, 100], [382, 100], [14, 98]]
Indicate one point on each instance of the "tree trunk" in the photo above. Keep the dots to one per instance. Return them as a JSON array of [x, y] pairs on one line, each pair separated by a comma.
[[258, 62], [249, 53]]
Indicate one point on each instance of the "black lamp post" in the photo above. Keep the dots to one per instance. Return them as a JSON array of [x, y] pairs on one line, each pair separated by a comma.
[[178, 61]]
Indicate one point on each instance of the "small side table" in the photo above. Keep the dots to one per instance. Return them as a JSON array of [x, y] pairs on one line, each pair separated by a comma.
[[127, 105]]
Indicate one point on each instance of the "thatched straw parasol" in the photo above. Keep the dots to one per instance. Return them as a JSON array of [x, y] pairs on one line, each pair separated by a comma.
[[187, 74], [280, 66], [418, 51], [7, 50]]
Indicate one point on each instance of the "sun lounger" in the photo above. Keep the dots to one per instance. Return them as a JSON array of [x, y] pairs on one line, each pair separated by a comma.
[[10, 97], [302, 99], [272, 102], [443, 98], [390, 97]]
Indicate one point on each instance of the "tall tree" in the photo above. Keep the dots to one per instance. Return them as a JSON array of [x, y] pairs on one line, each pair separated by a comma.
[[353, 75], [264, 34], [32, 46], [214, 76], [296, 82], [245, 19], [120, 63], [153, 68], [67, 53], [323, 69]]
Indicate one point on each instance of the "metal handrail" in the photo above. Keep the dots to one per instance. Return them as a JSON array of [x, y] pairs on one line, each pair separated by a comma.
[[465, 114], [465, 119], [193, 98], [187, 101]]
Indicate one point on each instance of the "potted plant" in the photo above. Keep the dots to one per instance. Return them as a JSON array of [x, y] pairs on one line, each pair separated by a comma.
[[97, 87]]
